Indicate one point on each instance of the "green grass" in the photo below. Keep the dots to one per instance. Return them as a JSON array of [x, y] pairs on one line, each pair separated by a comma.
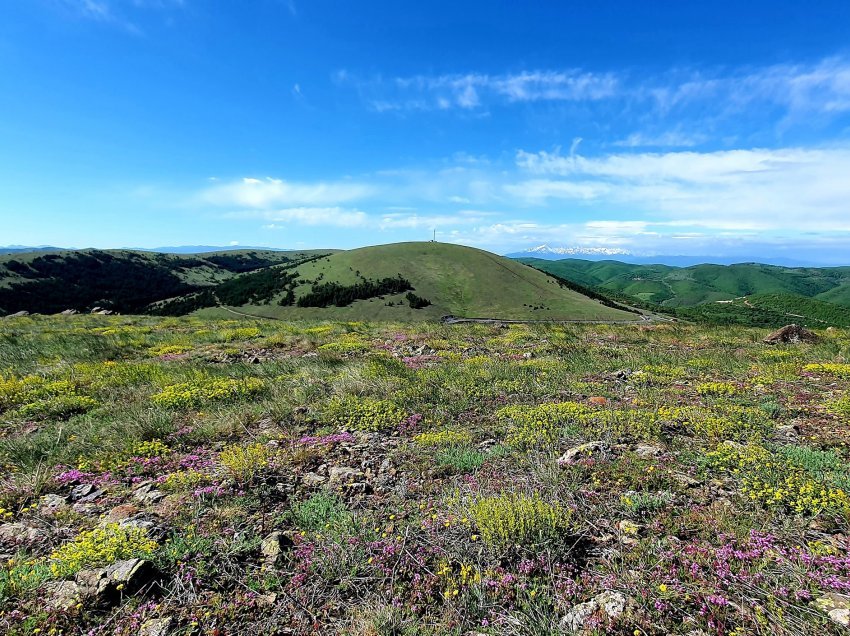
[[686, 286], [458, 280], [429, 483]]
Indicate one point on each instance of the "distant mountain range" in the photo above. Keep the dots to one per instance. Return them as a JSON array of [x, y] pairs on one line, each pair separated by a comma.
[[173, 249], [549, 252]]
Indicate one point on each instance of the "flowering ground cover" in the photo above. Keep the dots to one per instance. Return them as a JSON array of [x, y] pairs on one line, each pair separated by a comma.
[[188, 476]]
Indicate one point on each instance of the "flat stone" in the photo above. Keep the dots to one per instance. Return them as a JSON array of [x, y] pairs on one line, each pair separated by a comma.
[[156, 626], [313, 479], [836, 606], [273, 546], [103, 587], [54, 502], [344, 475], [81, 490], [648, 450], [121, 513], [61, 595], [582, 451], [19, 532], [146, 493], [612, 604]]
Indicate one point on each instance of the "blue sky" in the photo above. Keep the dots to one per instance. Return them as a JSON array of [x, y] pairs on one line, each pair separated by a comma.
[[668, 127]]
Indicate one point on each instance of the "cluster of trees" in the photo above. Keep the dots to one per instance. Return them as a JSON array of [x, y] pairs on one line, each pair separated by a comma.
[[247, 262], [126, 283], [334, 294], [416, 302], [769, 310]]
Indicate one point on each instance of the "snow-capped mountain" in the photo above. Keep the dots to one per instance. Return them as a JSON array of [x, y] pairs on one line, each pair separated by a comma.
[[549, 252]]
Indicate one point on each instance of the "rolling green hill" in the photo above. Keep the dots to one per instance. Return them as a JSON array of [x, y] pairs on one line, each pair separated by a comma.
[[120, 280], [669, 286], [378, 282]]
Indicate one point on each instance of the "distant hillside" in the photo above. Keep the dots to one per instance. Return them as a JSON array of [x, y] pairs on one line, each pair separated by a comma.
[[401, 281], [670, 286], [121, 280], [748, 294]]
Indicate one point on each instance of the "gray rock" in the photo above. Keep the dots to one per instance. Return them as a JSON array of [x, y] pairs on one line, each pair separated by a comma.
[[54, 502], [103, 587], [575, 618], [91, 496], [341, 475], [156, 626], [69, 312], [582, 451], [836, 606], [81, 491], [611, 604], [787, 432], [648, 450], [18, 314], [146, 493], [273, 546], [61, 595], [19, 532], [313, 479], [791, 334]]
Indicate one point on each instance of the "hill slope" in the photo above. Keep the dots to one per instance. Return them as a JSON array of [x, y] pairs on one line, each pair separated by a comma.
[[455, 280], [122, 280], [670, 286]]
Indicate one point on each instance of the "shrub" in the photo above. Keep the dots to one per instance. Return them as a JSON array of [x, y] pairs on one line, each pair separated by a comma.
[[462, 458], [245, 463], [510, 519], [322, 511], [539, 424], [60, 406], [19, 576], [717, 389], [363, 413], [788, 481], [242, 333], [842, 370], [443, 437], [641, 503], [100, 547], [196, 393]]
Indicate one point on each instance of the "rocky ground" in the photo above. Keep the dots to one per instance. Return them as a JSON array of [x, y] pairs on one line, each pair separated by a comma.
[[168, 477]]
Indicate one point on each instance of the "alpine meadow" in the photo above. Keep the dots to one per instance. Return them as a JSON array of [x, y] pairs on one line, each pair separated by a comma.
[[451, 318]]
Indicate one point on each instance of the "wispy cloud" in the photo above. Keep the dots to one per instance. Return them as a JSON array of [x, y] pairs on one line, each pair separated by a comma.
[[119, 13], [693, 103], [309, 216], [474, 91], [668, 139], [738, 189], [267, 193]]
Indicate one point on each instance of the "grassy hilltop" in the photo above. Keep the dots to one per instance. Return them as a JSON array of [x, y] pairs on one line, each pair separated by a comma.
[[184, 476], [457, 280]]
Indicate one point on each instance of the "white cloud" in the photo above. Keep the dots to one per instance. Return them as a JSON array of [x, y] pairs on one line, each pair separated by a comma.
[[669, 139], [309, 216], [118, 13], [737, 190], [473, 91], [821, 87], [267, 193]]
